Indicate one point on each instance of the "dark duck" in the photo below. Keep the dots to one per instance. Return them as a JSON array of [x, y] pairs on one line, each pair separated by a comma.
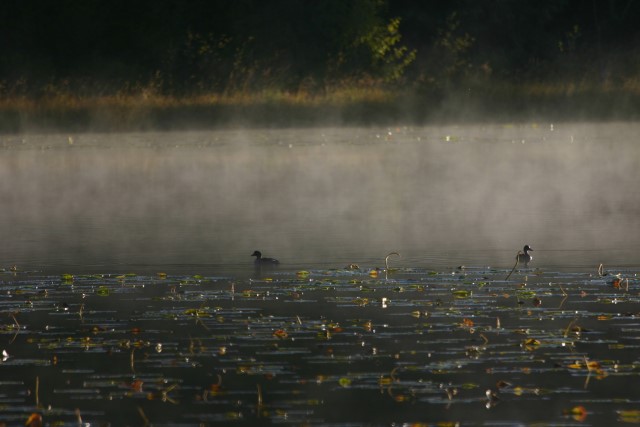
[[260, 260]]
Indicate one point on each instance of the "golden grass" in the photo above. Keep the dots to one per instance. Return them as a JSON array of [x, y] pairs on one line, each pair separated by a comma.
[[62, 100], [358, 102]]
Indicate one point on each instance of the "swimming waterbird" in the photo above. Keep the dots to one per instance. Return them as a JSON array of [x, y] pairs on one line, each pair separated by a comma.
[[525, 256], [264, 261]]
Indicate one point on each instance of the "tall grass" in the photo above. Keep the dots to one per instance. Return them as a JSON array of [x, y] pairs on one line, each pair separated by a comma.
[[136, 107]]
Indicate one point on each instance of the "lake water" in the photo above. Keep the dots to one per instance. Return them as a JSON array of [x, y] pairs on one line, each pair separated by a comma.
[[90, 332], [206, 200]]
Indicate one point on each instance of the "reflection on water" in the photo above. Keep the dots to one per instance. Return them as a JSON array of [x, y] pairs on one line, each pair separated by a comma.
[[440, 196]]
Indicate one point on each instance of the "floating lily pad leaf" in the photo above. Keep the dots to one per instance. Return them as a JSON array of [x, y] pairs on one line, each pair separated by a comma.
[[629, 416], [280, 333], [344, 382], [103, 291], [34, 420], [460, 294], [67, 277], [467, 323], [197, 312], [525, 294], [361, 301]]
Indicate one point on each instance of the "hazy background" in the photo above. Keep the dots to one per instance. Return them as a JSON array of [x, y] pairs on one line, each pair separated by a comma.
[[323, 197]]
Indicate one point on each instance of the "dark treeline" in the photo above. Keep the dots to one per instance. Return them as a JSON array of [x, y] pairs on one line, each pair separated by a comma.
[[182, 47], [148, 64]]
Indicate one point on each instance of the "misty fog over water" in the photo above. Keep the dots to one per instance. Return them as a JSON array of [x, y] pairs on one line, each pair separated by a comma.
[[204, 201]]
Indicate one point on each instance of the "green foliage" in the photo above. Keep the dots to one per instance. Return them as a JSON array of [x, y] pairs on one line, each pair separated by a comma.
[[388, 58], [64, 60], [453, 46]]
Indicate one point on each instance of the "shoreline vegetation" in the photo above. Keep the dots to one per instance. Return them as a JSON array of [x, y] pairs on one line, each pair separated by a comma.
[[167, 64], [147, 110]]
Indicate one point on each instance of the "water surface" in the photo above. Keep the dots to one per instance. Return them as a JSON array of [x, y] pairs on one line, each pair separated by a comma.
[[322, 196], [212, 340]]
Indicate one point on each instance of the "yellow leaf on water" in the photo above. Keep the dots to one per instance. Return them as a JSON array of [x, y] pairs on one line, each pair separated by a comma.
[[578, 413], [384, 381], [344, 382]]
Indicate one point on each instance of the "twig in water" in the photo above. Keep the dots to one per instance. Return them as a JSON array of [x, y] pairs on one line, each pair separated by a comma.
[[563, 291], [515, 265], [37, 392], [392, 375], [17, 329], [600, 270], [386, 259], [565, 294], [566, 331], [259, 395], [486, 340], [199, 321], [563, 301], [15, 321], [132, 361], [165, 394], [586, 381], [144, 417], [78, 417]]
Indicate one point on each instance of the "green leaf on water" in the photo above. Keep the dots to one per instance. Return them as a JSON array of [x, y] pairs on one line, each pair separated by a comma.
[[525, 294], [462, 294], [196, 312], [66, 277], [631, 416], [469, 386], [103, 291], [344, 382]]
